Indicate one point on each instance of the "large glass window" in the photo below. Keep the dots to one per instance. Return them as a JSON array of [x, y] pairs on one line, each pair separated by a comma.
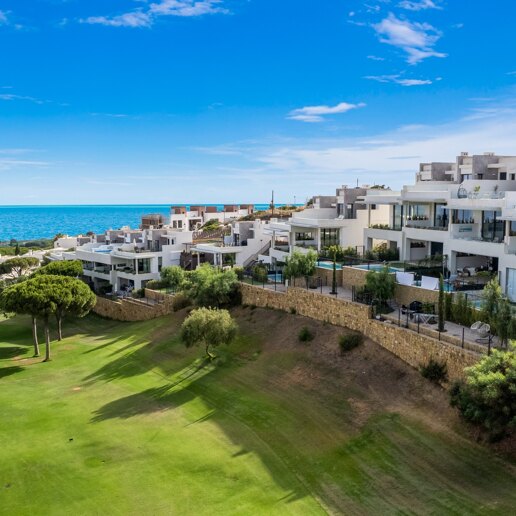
[[304, 235], [418, 211], [397, 222], [143, 265], [512, 228], [440, 216], [462, 217], [329, 237], [493, 228]]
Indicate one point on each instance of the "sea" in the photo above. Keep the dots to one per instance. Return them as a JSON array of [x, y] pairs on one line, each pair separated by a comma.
[[34, 222]]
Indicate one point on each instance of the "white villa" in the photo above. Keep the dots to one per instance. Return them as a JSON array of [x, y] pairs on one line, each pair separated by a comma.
[[463, 210], [193, 217], [127, 259], [339, 219]]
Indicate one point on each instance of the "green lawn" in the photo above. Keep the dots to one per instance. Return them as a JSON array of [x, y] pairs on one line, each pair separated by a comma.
[[125, 420]]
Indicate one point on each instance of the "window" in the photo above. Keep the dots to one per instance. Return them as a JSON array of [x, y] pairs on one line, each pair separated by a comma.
[[512, 228], [440, 216], [503, 176], [329, 237], [143, 265], [418, 211], [462, 217], [513, 177], [493, 229], [304, 235], [397, 222]]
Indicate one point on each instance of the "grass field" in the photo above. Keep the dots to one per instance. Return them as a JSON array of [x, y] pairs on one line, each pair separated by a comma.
[[125, 420]]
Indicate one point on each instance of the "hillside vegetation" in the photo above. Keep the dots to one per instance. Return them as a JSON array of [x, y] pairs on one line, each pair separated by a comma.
[[126, 420]]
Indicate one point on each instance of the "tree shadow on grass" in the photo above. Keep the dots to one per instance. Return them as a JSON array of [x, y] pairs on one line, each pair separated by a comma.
[[8, 371], [7, 352], [235, 421]]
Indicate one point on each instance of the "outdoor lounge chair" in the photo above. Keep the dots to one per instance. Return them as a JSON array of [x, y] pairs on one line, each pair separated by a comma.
[[425, 318], [483, 330]]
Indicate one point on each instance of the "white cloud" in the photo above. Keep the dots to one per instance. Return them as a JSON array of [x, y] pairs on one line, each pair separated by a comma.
[[12, 96], [398, 79], [132, 19], [146, 17], [3, 18], [416, 39], [418, 5], [186, 7], [376, 58], [317, 113]]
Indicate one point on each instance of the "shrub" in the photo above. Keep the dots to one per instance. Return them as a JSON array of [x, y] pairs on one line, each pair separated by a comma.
[[434, 371], [259, 273], [305, 335], [239, 271], [172, 276], [486, 398], [180, 301], [140, 293], [155, 284], [350, 341]]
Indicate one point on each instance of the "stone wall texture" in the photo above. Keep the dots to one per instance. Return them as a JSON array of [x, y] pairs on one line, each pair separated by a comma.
[[413, 348], [133, 310], [405, 294], [352, 277]]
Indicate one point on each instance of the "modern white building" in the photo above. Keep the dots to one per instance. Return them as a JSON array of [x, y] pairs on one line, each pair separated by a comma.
[[329, 220], [192, 218], [127, 259], [463, 210]]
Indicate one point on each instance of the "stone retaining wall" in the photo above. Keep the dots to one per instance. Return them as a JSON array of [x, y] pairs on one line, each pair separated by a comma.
[[128, 310], [413, 348], [405, 294], [352, 277]]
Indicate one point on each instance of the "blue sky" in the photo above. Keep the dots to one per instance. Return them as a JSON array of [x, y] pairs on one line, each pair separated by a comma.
[[166, 101]]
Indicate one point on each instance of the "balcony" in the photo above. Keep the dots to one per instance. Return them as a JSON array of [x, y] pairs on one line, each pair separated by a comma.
[[384, 226]]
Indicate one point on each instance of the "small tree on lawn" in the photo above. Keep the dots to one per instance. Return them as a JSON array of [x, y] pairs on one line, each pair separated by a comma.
[[69, 296], [381, 284], [22, 298], [211, 287], [335, 252], [441, 308], [172, 276], [70, 268], [208, 327], [487, 397], [16, 267]]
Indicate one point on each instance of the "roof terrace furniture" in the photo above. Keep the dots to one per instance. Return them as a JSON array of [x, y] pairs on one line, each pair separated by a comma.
[[483, 330]]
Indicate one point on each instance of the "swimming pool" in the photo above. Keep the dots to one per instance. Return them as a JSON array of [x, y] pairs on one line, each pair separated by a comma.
[[329, 265], [376, 267]]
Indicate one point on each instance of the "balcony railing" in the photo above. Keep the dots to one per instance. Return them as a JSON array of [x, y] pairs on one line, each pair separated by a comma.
[[424, 226], [385, 227]]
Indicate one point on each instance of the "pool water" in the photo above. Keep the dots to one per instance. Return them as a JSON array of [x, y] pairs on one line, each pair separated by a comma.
[[329, 265], [376, 267]]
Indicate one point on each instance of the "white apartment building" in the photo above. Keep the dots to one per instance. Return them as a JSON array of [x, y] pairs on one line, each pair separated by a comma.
[[127, 259], [339, 219], [464, 210], [191, 218], [247, 240]]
